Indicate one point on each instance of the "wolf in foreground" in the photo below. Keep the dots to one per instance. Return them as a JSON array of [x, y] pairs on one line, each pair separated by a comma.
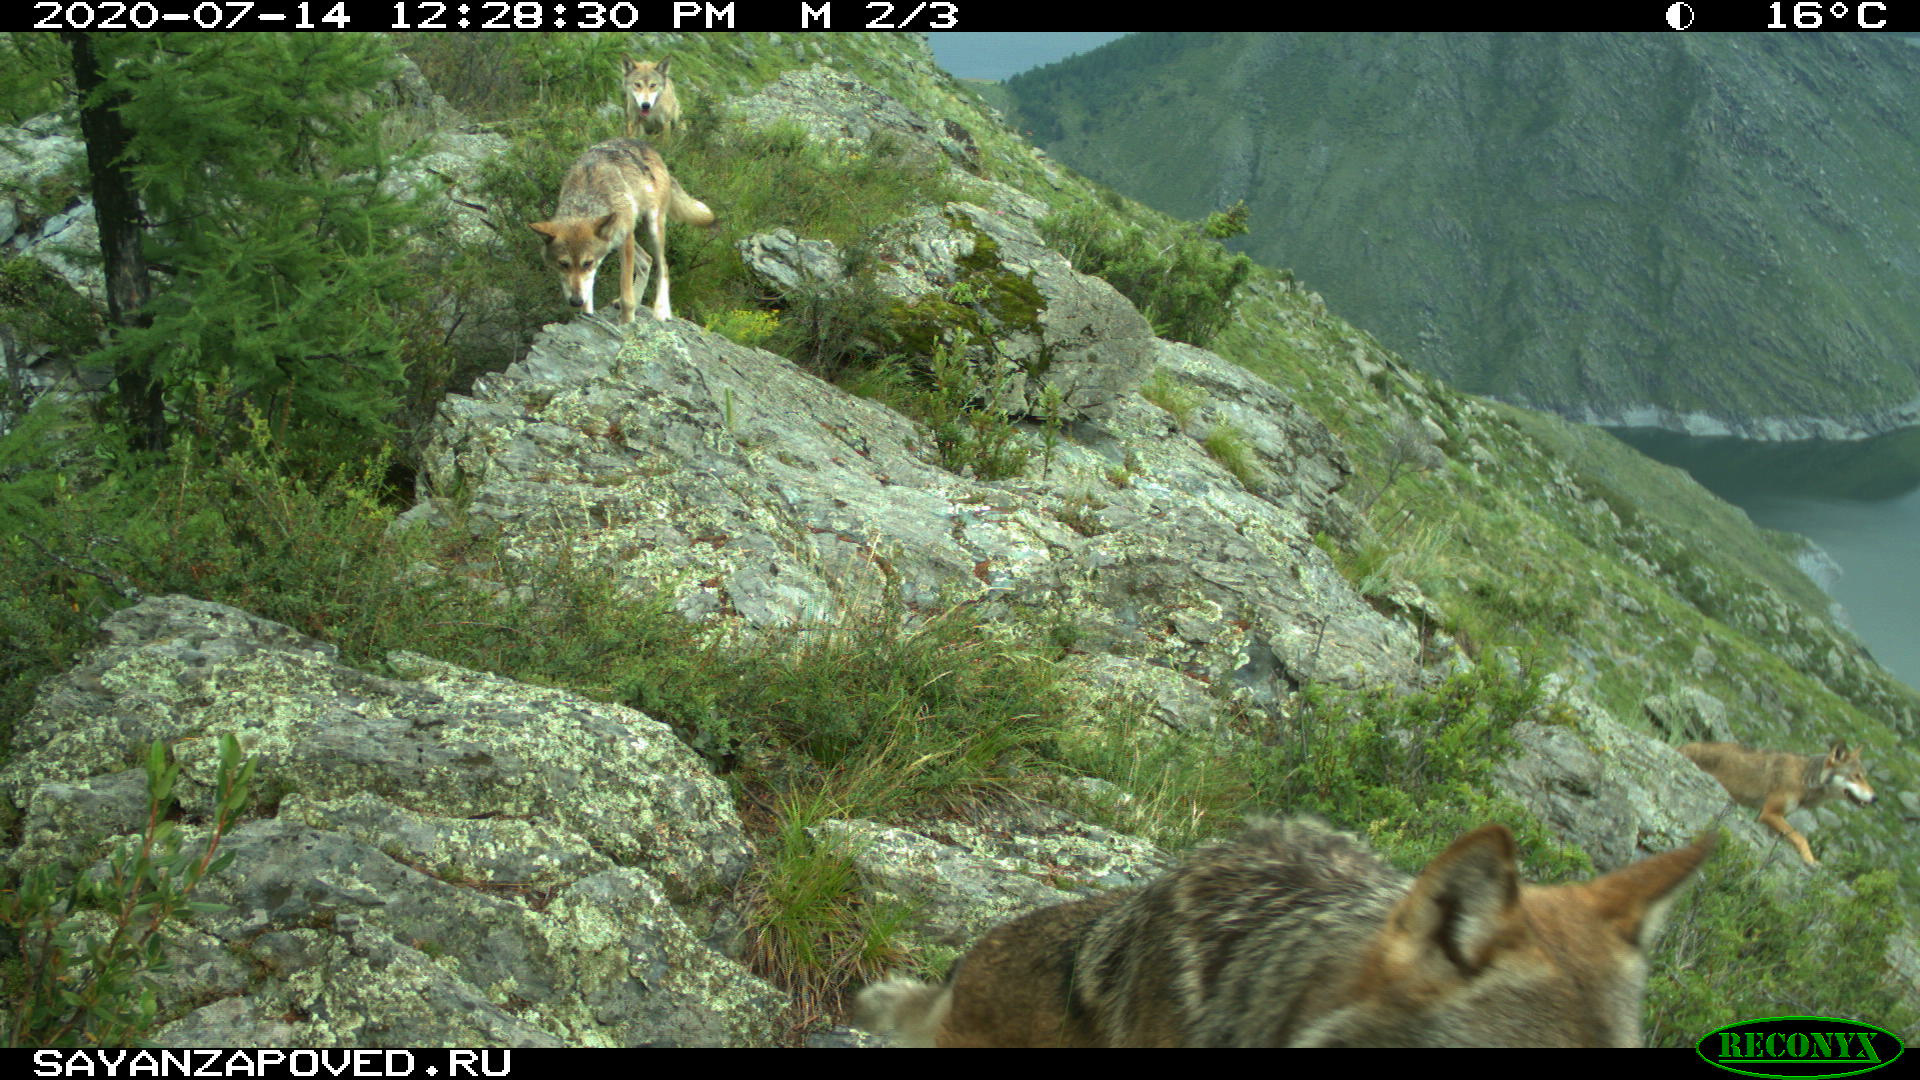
[[1296, 935]]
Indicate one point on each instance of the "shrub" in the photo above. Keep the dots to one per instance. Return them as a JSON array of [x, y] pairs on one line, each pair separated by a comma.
[[1180, 280], [82, 987]]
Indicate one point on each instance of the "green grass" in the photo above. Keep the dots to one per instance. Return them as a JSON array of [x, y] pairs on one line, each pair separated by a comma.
[[1737, 948], [814, 934], [1170, 394], [1227, 445], [873, 715]]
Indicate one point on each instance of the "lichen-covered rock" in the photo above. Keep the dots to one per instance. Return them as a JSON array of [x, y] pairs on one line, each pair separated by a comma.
[[1689, 714], [973, 272], [1617, 793], [752, 491], [963, 880], [835, 107], [449, 858]]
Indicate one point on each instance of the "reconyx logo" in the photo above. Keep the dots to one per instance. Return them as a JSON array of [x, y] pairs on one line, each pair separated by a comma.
[[1800, 1047]]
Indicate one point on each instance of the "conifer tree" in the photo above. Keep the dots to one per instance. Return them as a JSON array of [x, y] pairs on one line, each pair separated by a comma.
[[267, 181]]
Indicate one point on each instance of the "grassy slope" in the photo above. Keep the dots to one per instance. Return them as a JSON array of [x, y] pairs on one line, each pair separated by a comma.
[[1564, 541], [1539, 547], [1557, 540], [1561, 541]]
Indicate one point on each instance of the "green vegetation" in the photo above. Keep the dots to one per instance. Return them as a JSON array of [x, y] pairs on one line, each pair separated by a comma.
[[271, 203], [1415, 771], [1512, 534], [34, 76], [814, 933], [1410, 771], [1227, 445], [41, 307], [87, 949], [1741, 949], [1167, 392], [1180, 278]]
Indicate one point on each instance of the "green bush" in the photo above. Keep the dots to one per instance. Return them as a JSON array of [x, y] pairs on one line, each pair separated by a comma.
[[86, 982], [1742, 947], [1182, 281], [1412, 771], [269, 202]]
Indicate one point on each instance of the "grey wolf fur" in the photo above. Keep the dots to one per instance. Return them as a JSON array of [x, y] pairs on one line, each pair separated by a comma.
[[1777, 783], [1296, 935], [615, 189], [648, 94]]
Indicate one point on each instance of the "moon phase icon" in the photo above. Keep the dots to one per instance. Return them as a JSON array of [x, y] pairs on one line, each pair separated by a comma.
[[1680, 16]]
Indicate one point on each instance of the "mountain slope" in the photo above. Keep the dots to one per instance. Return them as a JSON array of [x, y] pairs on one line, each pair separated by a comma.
[[951, 645], [1700, 232]]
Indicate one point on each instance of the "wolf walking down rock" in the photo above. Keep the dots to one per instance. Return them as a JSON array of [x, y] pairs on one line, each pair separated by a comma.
[[1294, 934], [613, 190]]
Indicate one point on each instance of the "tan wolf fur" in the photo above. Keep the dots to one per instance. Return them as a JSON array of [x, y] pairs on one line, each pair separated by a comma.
[[1777, 782], [614, 190], [1296, 935], [648, 93]]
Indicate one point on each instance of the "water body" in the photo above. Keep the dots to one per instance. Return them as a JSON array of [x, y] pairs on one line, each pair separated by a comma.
[[998, 55], [1860, 501]]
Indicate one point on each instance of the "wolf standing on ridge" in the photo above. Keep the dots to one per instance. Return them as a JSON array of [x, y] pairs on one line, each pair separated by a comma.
[[1777, 782], [648, 93], [614, 189], [1295, 935]]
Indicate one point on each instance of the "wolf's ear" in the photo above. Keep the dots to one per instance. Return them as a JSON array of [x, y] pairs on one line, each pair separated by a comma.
[[1635, 899], [604, 228], [629, 63], [1839, 751], [1461, 904], [544, 228], [661, 67]]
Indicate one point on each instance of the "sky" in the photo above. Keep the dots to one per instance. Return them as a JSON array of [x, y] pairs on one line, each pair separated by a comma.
[[996, 56]]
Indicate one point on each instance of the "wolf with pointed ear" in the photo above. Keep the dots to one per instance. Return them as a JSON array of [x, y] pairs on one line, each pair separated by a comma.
[[1296, 935]]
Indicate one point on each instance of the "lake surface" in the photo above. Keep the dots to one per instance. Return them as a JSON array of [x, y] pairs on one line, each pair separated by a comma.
[[1860, 501]]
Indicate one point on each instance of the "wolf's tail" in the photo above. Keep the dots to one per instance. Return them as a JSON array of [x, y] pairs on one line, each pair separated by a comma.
[[907, 1009], [686, 209]]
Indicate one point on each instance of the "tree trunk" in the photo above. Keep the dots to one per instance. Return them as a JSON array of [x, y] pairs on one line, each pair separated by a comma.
[[116, 207]]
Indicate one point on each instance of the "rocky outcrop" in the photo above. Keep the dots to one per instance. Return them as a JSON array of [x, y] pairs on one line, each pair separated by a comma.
[[979, 278], [442, 858], [973, 274], [751, 490], [963, 880], [837, 108]]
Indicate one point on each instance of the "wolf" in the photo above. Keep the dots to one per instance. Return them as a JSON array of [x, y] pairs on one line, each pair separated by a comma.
[[648, 94], [615, 189], [1297, 935], [1777, 782]]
